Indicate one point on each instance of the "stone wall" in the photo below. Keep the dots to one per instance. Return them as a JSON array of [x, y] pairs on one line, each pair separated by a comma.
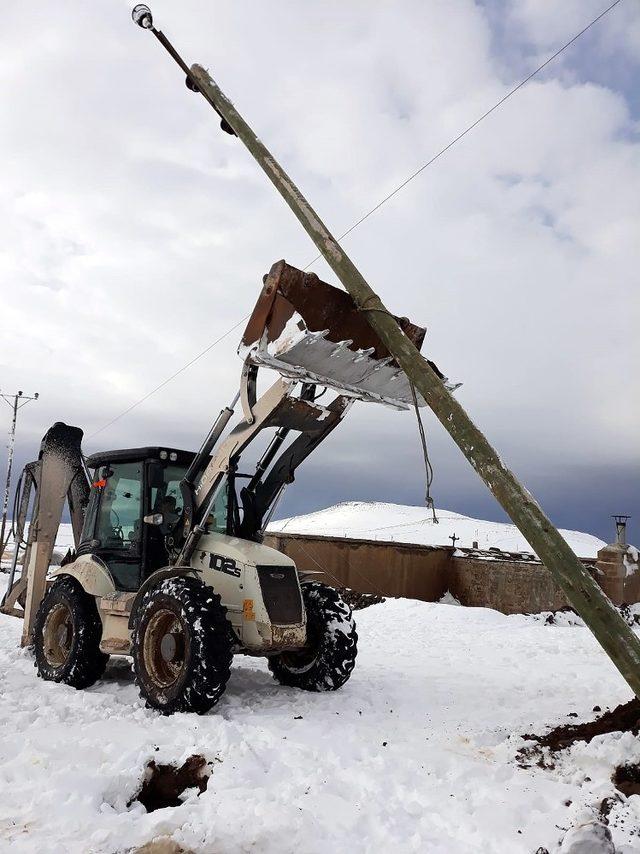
[[619, 573], [511, 583], [388, 569], [513, 587]]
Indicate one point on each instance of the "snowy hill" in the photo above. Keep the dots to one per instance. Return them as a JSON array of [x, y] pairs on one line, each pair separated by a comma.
[[373, 520], [401, 523]]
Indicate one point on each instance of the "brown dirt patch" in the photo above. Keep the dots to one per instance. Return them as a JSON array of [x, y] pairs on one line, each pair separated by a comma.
[[624, 718], [358, 601], [163, 845], [163, 784], [626, 779]]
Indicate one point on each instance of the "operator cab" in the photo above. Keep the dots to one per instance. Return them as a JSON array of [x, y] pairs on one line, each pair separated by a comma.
[[134, 503]]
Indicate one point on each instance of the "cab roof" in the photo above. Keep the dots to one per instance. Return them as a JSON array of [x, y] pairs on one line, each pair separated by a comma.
[[133, 455]]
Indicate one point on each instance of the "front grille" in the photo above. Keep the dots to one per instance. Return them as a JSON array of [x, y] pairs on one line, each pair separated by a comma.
[[281, 593]]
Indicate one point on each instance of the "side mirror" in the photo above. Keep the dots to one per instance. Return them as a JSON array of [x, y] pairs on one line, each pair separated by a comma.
[[153, 519]]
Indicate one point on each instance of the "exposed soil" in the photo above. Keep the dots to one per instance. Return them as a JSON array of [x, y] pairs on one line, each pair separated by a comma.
[[626, 779], [551, 618], [631, 617], [163, 845], [163, 784], [624, 718], [356, 600], [566, 616], [607, 805]]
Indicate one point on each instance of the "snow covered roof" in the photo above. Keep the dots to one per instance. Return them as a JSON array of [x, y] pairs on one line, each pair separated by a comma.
[[373, 520]]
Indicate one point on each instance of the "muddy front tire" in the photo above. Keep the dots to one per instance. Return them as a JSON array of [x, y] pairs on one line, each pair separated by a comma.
[[182, 647], [67, 634], [330, 656]]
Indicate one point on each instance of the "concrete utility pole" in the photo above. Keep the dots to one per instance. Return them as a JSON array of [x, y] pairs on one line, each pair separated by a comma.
[[16, 402], [581, 590]]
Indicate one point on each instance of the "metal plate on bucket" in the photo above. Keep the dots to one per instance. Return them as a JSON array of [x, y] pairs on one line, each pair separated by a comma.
[[308, 330]]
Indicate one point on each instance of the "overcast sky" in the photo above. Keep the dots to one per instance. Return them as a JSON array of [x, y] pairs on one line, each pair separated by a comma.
[[133, 232]]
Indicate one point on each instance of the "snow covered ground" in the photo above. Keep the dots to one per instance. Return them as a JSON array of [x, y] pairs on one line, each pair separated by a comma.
[[64, 541], [372, 520], [415, 753]]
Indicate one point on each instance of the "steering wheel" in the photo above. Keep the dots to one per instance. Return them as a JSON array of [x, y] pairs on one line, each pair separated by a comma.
[[117, 526]]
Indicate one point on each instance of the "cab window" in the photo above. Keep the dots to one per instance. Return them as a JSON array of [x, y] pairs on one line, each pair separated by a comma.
[[217, 520], [120, 515], [165, 496]]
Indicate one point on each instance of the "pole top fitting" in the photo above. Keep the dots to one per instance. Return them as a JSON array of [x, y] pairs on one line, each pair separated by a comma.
[[621, 528], [141, 15]]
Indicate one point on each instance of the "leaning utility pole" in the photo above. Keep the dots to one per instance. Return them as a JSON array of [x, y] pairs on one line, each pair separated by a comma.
[[16, 402], [581, 590]]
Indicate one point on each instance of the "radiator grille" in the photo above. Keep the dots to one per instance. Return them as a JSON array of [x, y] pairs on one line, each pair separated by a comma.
[[281, 593]]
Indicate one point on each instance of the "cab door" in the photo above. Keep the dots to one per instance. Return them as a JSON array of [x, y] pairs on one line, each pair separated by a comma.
[[164, 501], [118, 527]]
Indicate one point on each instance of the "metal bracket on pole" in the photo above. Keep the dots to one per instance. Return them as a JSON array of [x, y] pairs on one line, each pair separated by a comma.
[[141, 15]]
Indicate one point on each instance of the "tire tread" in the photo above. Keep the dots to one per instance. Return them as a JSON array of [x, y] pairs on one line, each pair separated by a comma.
[[86, 663], [331, 619]]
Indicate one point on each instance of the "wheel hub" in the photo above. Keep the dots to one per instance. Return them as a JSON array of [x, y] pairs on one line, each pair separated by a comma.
[[164, 648], [58, 635], [169, 647]]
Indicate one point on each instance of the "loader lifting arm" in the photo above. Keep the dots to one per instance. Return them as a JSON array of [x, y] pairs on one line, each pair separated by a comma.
[[314, 336]]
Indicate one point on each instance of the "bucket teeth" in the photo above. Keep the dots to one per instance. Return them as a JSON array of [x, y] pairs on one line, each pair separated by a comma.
[[312, 332], [340, 347], [362, 354]]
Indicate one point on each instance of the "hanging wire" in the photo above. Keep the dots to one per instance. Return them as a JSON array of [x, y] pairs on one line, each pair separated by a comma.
[[473, 125], [425, 453]]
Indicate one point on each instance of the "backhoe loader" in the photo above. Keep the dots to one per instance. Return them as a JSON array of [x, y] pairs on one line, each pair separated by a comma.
[[168, 565]]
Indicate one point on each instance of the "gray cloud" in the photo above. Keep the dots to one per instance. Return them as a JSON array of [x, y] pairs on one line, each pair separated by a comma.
[[134, 232]]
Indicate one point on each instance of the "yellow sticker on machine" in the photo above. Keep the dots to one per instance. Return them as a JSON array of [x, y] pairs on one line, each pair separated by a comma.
[[247, 610]]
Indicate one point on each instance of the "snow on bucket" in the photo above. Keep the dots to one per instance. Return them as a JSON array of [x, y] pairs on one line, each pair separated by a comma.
[[310, 331]]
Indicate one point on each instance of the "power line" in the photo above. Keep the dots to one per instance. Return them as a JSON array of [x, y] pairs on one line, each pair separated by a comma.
[[470, 127], [169, 379], [377, 207]]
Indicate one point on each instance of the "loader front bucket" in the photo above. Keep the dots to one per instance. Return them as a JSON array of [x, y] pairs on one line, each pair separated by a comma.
[[310, 331]]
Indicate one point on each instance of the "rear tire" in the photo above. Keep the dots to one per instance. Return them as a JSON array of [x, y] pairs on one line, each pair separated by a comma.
[[328, 660], [182, 647], [67, 633]]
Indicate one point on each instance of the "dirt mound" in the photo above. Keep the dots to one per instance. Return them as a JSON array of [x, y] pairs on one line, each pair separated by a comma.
[[624, 718], [357, 600], [626, 779], [162, 845], [566, 616], [163, 784]]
